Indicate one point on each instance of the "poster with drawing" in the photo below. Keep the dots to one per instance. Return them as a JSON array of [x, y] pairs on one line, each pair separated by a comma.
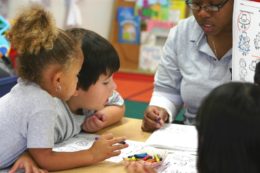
[[246, 39]]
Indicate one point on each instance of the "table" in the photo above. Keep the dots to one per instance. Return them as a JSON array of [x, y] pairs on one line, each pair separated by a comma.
[[128, 127]]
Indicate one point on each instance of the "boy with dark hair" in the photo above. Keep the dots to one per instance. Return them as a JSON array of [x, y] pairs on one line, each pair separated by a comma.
[[96, 98]]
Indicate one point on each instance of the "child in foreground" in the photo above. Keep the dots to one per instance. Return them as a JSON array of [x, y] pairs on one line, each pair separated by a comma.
[[95, 85], [49, 62]]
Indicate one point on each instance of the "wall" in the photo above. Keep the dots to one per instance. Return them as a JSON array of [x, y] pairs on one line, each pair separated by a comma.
[[96, 14]]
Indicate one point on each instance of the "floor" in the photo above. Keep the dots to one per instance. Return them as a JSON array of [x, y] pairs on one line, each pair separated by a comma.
[[136, 89]]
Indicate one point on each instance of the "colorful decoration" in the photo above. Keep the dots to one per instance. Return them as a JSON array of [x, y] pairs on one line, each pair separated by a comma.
[[4, 44]]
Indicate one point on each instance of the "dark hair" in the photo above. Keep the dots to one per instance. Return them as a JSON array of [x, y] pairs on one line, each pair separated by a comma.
[[229, 130], [100, 57], [40, 43], [257, 74]]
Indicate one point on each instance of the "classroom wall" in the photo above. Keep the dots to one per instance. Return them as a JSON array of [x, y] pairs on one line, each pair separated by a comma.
[[96, 14]]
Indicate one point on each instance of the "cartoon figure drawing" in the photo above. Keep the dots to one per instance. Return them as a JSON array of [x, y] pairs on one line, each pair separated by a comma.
[[242, 69], [243, 44], [244, 21], [252, 65], [257, 41]]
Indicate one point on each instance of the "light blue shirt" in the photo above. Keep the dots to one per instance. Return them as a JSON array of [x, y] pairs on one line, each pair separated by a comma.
[[188, 70]]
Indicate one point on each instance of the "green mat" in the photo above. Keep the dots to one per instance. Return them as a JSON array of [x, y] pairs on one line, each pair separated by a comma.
[[136, 110]]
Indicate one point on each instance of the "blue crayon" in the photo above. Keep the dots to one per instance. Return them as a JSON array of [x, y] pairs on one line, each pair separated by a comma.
[[141, 155]]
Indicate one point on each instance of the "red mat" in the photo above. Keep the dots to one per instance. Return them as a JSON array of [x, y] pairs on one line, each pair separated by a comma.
[[134, 87]]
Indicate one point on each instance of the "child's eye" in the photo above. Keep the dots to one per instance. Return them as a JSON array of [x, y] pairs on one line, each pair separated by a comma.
[[105, 83]]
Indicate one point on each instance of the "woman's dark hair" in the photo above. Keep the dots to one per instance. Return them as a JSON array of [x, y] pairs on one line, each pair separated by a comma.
[[229, 130], [100, 57], [257, 74]]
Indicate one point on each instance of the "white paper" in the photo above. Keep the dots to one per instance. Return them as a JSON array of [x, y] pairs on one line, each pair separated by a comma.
[[178, 162], [246, 40], [79, 142], [175, 137], [84, 141], [174, 162]]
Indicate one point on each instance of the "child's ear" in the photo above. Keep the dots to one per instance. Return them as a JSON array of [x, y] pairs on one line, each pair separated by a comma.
[[56, 81]]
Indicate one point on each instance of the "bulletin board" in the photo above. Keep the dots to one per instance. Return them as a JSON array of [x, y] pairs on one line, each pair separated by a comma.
[[128, 53]]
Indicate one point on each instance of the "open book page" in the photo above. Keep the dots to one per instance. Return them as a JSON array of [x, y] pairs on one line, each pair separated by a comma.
[[84, 141], [174, 162], [178, 162], [174, 137], [79, 142], [133, 148]]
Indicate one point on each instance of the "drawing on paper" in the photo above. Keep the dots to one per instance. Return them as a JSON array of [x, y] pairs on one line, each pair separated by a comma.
[[243, 43], [252, 65], [257, 41], [244, 21], [242, 69]]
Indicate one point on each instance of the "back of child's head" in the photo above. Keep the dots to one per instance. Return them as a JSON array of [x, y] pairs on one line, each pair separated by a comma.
[[40, 43], [257, 74], [100, 57], [228, 129]]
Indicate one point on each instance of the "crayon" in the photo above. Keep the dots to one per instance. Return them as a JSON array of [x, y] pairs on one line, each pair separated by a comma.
[[122, 142], [157, 158], [141, 155], [147, 157]]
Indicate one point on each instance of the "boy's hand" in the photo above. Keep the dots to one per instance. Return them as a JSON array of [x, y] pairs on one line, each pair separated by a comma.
[[154, 118], [94, 123], [107, 146], [25, 162]]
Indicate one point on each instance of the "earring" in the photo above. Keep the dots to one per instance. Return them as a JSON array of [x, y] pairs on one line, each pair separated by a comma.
[[58, 88]]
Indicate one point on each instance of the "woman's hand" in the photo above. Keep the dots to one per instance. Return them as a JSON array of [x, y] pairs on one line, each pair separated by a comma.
[[154, 118]]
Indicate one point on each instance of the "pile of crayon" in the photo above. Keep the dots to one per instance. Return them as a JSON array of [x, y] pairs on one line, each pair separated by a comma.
[[144, 157]]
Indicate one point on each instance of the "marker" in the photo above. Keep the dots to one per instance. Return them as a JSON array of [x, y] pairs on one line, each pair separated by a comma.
[[147, 157], [158, 119], [157, 158], [122, 142]]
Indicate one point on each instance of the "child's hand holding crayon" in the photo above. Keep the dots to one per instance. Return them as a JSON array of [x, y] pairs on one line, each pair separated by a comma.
[[107, 146]]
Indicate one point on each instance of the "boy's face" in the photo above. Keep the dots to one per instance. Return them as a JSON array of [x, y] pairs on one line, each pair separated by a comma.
[[97, 95]]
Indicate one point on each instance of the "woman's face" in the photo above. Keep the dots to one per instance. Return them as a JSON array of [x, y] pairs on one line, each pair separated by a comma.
[[215, 23]]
